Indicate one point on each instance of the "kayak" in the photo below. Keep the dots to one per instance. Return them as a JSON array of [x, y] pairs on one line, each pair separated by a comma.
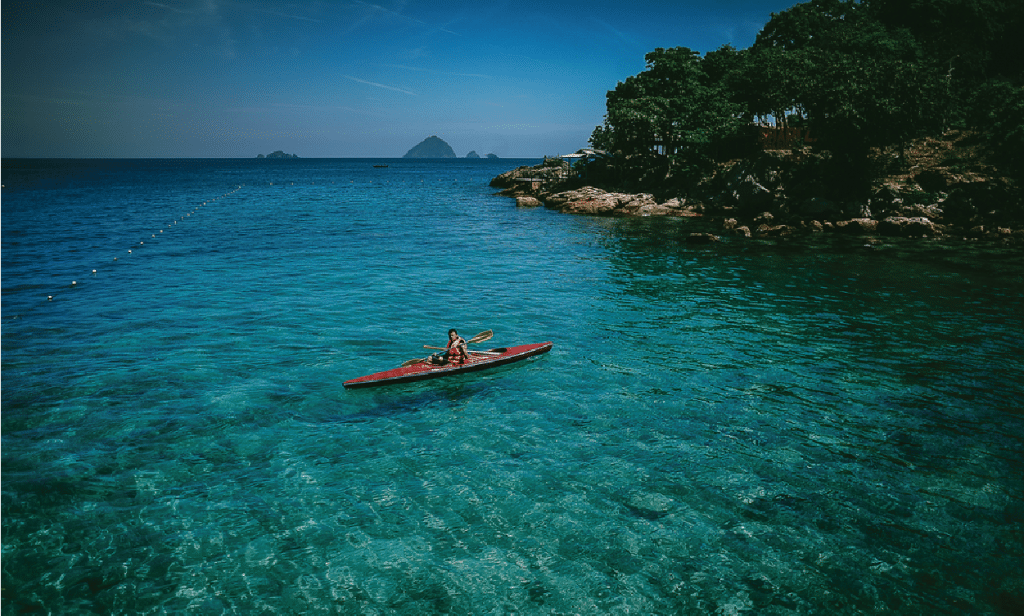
[[477, 361]]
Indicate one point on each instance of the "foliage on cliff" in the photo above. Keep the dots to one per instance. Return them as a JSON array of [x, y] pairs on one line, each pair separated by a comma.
[[863, 77]]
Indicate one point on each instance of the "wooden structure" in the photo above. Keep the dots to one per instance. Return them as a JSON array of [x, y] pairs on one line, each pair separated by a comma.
[[783, 138]]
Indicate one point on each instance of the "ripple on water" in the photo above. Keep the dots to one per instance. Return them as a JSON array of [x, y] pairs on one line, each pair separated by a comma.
[[743, 427]]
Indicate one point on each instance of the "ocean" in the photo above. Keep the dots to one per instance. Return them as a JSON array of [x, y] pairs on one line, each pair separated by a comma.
[[802, 426]]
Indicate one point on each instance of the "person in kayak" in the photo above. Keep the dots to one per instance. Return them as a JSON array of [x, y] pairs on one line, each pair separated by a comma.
[[456, 353]]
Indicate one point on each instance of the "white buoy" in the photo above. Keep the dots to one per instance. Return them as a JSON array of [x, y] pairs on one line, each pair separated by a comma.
[[129, 252], [94, 271], [115, 258], [49, 298], [73, 283]]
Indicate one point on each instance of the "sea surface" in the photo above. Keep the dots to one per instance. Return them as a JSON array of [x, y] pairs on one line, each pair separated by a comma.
[[810, 426]]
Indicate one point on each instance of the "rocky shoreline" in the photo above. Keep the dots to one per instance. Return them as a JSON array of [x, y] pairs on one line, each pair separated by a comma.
[[772, 195]]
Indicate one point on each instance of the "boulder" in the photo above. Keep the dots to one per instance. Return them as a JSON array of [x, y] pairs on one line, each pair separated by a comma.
[[598, 206], [857, 226], [635, 204], [655, 209], [594, 201], [507, 179], [902, 226], [701, 238], [931, 212], [586, 200], [543, 171], [680, 207], [527, 202], [774, 230]]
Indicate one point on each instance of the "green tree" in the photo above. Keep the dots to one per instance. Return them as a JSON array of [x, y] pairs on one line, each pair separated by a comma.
[[861, 84], [998, 111], [675, 103]]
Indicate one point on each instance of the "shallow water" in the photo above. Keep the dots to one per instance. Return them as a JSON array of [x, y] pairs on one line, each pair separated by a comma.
[[780, 428]]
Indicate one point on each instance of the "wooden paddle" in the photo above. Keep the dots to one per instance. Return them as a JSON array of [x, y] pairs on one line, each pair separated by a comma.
[[483, 336], [427, 346]]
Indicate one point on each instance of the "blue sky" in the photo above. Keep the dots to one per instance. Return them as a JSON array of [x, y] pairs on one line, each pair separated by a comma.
[[236, 78]]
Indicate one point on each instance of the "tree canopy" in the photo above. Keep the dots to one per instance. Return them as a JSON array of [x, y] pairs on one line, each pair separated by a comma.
[[873, 73]]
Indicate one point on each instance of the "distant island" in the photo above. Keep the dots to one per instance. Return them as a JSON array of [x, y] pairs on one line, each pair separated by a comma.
[[277, 154], [473, 154], [431, 147], [492, 156]]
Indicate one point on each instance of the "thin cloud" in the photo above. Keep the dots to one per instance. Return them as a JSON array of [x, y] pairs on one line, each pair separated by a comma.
[[168, 7], [317, 107], [288, 16], [622, 36], [378, 85], [396, 14], [433, 72]]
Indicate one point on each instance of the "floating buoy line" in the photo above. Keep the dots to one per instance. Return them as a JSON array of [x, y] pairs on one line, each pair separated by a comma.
[[171, 225]]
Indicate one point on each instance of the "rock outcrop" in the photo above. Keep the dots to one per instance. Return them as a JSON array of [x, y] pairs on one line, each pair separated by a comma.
[[774, 196]]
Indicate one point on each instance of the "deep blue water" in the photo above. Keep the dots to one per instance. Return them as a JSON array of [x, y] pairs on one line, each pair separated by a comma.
[[795, 427]]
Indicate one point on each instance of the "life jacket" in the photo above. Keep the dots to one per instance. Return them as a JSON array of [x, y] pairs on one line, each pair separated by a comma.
[[454, 353]]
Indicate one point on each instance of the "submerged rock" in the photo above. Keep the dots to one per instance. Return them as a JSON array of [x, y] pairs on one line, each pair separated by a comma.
[[701, 238]]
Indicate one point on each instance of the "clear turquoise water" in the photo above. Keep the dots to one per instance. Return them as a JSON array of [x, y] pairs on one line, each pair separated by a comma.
[[747, 427]]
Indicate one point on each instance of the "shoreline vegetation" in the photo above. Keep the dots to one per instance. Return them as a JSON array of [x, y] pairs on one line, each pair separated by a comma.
[[867, 118]]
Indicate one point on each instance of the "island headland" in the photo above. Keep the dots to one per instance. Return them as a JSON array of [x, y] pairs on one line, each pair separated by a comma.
[[842, 117], [779, 193]]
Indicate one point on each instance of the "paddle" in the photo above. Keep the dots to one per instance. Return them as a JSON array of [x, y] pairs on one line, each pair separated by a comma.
[[427, 346], [483, 336]]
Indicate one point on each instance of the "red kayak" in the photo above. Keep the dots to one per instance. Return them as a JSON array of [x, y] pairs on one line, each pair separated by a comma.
[[478, 360]]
